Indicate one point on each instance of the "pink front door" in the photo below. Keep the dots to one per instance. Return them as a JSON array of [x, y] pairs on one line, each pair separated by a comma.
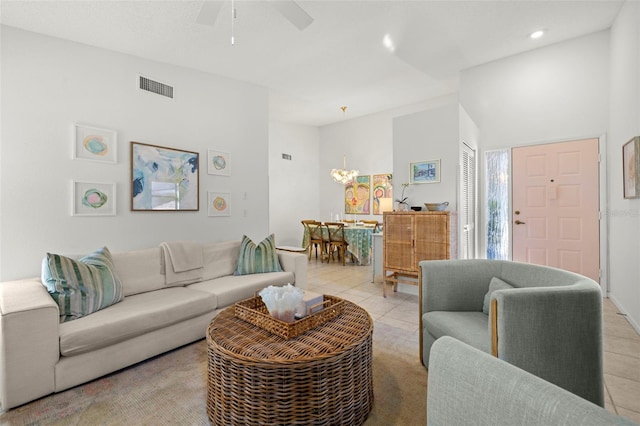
[[555, 213]]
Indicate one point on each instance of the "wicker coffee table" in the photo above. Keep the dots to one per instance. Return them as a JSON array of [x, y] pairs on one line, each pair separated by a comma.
[[322, 377]]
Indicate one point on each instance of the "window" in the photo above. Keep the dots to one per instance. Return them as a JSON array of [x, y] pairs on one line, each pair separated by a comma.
[[497, 209]]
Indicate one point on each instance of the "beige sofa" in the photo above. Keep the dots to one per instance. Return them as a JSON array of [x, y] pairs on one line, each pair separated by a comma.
[[39, 355]]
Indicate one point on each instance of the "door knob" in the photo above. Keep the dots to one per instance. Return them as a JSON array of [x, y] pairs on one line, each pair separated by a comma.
[[519, 222]]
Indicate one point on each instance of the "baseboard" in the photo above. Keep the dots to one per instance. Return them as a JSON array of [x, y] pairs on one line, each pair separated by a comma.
[[633, 323]]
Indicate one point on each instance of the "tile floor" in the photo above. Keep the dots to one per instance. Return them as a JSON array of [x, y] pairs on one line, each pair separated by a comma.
[[396, 320]]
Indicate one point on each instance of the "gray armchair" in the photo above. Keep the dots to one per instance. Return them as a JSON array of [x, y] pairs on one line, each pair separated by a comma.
[[469, 387], [546, 321]]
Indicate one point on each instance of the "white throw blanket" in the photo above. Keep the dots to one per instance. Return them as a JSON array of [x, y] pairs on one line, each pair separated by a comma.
[[181, 262]]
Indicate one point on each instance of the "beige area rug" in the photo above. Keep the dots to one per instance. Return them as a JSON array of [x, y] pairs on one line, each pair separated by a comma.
[[170, 389]]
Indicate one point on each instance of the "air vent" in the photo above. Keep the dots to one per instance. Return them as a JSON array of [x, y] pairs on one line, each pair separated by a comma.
[[155, 87]]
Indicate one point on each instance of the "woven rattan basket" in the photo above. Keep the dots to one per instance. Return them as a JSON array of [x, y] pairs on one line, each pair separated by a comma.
[[254, 311]]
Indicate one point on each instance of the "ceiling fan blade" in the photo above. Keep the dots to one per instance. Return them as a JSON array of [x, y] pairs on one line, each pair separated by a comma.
[[293, 12], [209, 12]]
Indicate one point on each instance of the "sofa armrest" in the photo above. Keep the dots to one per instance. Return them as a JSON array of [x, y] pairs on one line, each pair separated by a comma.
[[554, 333], [455, 285], [29, 348], [468, 386], [296, 263]]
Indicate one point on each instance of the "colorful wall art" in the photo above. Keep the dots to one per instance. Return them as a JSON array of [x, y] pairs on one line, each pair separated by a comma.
[[218, 163], [631, 168], [163, 179], [93, 143], [218, 204], [93, 199], [382, 188], [356, 196]]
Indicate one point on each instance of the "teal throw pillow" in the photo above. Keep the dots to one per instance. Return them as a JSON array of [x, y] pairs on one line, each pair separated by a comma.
[[495, 284], [81, 287], [257, 258]]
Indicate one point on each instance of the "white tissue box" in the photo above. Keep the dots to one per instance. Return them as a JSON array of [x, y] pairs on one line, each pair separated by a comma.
[[309, 300]]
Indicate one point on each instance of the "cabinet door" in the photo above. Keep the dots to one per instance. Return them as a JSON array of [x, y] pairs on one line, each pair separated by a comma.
[[398, 242], [432, 237]]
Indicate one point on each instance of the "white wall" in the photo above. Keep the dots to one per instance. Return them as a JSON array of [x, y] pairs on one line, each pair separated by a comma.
[[293, 184], [555, 92], [368, 143], [624, 118], [433, 134], [49, 84]]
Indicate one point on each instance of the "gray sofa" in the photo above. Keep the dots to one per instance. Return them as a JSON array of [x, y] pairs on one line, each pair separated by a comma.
[[469, 387], [549, 323], [39, 355]]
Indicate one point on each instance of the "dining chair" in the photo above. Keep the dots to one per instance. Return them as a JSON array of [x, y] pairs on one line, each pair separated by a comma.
[[314, 230], [375, 223], [337, 241]]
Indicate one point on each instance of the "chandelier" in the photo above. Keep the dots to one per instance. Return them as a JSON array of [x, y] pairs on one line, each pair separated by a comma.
[[343, 175]]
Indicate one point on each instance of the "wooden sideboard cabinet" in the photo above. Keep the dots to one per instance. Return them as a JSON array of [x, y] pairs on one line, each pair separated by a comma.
[[410, 237]]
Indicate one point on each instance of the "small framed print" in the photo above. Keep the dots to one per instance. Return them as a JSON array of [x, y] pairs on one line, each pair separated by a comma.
[[93, 199], [424, 172], [218, 203], [95, 144], [631, 168], [219, 163]]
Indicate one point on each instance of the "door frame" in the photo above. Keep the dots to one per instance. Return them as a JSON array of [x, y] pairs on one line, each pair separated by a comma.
[[602, 201]]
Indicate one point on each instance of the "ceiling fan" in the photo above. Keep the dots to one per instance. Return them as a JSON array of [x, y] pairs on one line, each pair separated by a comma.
[[287, 8]]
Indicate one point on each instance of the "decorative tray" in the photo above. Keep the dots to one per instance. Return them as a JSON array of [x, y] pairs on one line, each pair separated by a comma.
[[254, 311]]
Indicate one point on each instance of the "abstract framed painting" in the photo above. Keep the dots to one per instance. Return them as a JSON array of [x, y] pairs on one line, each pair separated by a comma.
[[356, 195], [164, 179], [95, 144], [382, 188], [93, 199], [218, 163], [218, 203], [424, 172], [631, 168]]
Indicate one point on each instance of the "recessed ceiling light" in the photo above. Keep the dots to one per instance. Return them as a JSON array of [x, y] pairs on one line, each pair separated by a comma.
[[388, 43], [536, 34]]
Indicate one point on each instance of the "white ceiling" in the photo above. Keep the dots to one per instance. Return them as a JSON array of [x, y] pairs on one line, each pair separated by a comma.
[[338, 60]]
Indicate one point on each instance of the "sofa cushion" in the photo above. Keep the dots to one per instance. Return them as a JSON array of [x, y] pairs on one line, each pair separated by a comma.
[[139, 270], [220, 259], [257, 258], [231, 289], [495, 284], [134, 316], [84, 286], [468, 327]]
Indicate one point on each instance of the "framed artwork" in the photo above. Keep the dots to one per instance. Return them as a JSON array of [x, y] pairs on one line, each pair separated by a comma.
[[93, 199], [218, 163], [356, 196], [631, 168], [164, 179], [424, 172], [93, 143], [382, 188], [218, 203]]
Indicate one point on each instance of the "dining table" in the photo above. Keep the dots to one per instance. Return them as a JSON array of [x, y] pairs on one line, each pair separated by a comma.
[[359, 240]]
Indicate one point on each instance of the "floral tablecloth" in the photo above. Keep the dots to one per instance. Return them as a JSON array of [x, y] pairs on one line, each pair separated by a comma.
[[359, 239]]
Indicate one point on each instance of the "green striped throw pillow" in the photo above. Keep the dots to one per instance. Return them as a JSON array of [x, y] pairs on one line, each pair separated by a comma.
[[255, 259], [81, 287]]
